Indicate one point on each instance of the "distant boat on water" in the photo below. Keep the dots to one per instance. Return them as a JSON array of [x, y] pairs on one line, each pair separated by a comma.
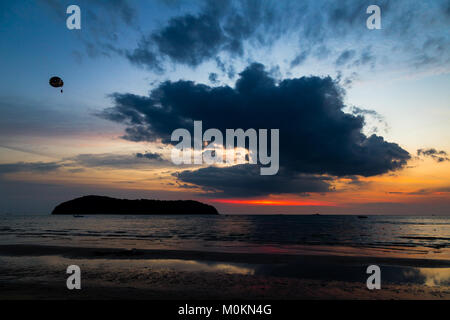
[[362, 217]]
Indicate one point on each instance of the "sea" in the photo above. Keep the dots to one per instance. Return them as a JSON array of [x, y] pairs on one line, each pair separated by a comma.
[[232, 233]]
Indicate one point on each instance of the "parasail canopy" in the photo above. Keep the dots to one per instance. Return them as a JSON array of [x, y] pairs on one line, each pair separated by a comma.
[[56, 82]]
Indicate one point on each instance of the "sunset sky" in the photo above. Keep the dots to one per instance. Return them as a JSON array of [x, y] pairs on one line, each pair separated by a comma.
[[363, 114]]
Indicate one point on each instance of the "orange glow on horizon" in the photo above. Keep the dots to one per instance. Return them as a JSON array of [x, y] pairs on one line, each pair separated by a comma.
[[262, 202]]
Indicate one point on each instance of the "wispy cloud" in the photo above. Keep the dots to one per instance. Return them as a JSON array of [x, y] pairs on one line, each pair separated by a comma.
[[437, 155]]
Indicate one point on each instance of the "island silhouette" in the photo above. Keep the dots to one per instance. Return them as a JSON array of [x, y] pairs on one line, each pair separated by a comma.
[[90, 205]]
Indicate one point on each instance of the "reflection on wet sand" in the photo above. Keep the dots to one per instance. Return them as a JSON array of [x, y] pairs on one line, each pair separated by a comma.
[[197, 266], [43, 277], [308, 269], [109, 265], [436, 276]]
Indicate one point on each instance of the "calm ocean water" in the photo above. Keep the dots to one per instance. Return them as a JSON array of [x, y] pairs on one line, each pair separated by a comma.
[[228, 233]]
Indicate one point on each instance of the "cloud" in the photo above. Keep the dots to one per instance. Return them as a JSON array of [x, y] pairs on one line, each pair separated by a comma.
[[150, 156], [299, 59], [244, 181], [424, 192], [229, 30], [234, 27], [188, 39], [39, 167], [223, 26], [438, 156], [376, 120], [345, 57], [316, 136], [118, 161], [213, 78], [78, 163], [228, 70], [365, 57]]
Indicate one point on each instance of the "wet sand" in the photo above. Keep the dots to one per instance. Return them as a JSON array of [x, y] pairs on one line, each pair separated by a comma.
[[38, 272], [318, 255]]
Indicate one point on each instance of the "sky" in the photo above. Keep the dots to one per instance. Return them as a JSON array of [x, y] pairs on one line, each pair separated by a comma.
[[363, 114]]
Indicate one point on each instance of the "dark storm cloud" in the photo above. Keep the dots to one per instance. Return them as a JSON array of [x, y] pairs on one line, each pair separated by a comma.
[[316, 136], [437, 155], [245, 181]]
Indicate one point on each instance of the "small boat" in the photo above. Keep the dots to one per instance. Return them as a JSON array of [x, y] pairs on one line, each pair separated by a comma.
[[77, 216], [362, 217]]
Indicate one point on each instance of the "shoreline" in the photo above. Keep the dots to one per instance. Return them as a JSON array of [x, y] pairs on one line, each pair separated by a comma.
[[22, 250]]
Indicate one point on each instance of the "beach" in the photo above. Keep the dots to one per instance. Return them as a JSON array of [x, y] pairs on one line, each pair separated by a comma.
[[39, 272]]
